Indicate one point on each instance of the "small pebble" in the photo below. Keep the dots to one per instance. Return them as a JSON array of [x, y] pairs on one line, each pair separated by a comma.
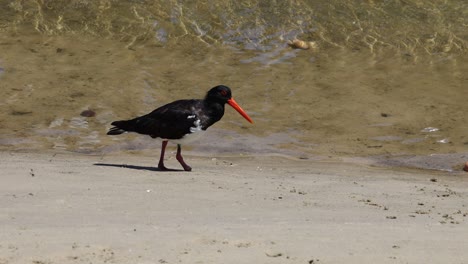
[[88, 113], [273, 254]]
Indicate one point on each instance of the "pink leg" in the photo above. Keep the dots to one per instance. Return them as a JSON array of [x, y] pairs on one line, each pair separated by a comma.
[[161, 159], [181, 160]]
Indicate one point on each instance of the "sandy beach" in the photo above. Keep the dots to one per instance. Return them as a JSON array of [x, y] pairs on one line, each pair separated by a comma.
[[76, 208]]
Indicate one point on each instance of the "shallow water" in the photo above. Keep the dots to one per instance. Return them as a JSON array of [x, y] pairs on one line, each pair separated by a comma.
[[385, 79]]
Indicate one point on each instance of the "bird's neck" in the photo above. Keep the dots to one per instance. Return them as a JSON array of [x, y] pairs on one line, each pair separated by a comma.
[[215, 111]]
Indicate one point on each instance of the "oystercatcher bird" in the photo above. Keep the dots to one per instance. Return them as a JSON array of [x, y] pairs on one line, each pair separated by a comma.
[[181, 121]]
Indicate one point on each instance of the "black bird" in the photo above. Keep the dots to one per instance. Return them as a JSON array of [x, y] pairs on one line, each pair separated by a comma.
[[181, 121]]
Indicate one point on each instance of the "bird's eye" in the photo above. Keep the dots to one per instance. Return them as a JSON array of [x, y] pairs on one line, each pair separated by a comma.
[[223, 92]]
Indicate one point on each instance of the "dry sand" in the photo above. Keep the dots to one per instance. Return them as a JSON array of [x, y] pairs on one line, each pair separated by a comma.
[[74, 208]]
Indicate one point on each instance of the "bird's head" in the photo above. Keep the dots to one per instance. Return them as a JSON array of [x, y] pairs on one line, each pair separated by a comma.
[[219, 93], [222, 94]]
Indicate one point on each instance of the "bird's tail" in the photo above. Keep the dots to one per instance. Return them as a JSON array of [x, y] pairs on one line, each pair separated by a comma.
[[121, 127]]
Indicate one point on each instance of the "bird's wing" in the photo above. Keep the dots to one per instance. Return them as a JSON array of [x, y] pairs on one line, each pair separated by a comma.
[[171, 121]]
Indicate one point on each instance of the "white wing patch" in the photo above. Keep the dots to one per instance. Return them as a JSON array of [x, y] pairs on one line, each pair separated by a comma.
[[197, 127], [195, 132]]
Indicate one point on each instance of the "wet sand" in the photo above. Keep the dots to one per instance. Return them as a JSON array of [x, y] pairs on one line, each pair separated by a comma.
[[339, 104], [74, 208]]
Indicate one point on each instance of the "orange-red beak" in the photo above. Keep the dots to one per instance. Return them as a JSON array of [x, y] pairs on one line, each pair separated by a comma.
[[239, 109]]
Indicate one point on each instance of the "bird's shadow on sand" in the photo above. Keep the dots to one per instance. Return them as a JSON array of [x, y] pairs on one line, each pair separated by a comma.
[[134, 167]]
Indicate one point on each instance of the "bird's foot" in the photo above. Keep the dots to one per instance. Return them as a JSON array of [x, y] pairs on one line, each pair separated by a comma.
[[161, 167], [186, 167], [182, 162]]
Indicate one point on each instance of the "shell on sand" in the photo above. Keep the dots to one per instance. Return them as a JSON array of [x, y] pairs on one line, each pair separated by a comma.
[[300, 44]]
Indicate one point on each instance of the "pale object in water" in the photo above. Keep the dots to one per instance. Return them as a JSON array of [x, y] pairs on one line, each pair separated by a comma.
[[300, 44], [429, 129], [443, 141]]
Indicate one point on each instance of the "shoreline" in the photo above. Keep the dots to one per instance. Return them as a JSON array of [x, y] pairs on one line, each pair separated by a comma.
[[74, 208], [435, 162]]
